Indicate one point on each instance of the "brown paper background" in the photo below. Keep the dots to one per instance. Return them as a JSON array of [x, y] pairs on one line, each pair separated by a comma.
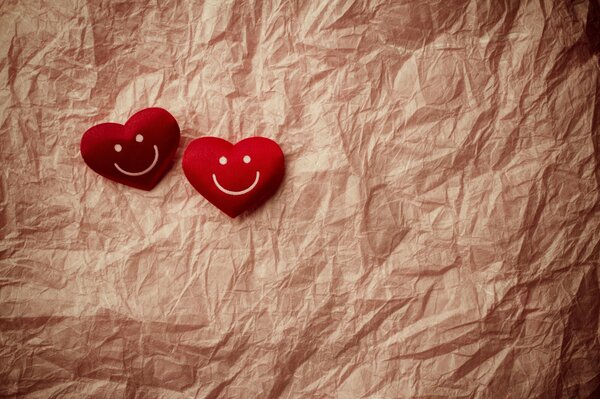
[[436, 235]]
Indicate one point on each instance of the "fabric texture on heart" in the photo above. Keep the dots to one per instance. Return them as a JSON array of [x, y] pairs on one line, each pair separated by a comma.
[[234, 178], [138, 153]]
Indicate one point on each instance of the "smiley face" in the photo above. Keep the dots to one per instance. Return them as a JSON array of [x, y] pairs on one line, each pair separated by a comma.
[[237, 177], [223, 161], [138, 153], [138, 138]]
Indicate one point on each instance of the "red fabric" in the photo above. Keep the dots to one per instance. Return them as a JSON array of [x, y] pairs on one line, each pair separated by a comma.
[[237, 177], [118, 153]]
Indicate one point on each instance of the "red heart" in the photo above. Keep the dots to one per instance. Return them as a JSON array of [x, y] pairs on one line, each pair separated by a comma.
[[138, 153], [237, 177]]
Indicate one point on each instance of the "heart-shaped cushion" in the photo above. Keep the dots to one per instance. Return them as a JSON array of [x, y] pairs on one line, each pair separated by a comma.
[[234, 178], [138, 153]]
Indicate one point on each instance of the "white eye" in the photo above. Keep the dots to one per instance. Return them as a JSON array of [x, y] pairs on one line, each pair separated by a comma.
[[223, 160], [118, 147], [139, 138], [247, 159]]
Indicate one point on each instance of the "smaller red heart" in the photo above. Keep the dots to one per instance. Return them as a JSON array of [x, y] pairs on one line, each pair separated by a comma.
[[234, 178], [137, 154]]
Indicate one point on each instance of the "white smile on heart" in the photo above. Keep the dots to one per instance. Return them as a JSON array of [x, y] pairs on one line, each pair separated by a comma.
[[242, 192], [143, 172]]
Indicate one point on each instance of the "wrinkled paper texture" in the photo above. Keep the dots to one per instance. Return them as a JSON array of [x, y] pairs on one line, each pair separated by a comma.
[[436, 234]]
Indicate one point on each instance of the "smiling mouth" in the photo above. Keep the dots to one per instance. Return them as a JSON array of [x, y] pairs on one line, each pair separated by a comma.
[[220, 187], [148, 169]]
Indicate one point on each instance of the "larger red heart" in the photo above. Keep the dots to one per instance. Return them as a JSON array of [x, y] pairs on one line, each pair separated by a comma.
[[138, 153], [234, 178]]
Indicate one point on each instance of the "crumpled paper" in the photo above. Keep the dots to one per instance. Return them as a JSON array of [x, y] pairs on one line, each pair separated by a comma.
[[436, 234]]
